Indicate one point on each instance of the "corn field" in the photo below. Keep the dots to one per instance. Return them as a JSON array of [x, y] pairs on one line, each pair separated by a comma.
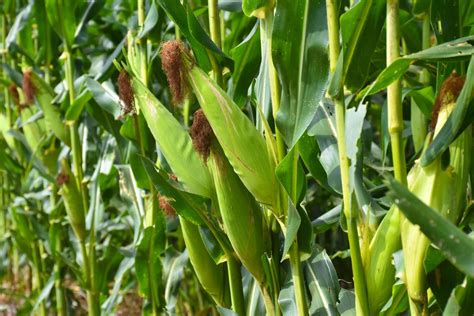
[[237, 157]]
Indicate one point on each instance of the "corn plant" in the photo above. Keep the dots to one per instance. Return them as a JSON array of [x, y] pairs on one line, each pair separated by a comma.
[[205, 157]]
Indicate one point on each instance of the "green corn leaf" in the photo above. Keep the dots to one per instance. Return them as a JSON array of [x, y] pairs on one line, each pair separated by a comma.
[[197, 37], [460, 48], [421, 6], [200, 35], [292, 226], [309, 149], [323, 284], [358, 48], [75, 110], [247, 60], [175, 142], [456, 246], [257, 8], [61, 15], [361, 24], [150, 21], [285, 174], [299, 52], [21, 20]]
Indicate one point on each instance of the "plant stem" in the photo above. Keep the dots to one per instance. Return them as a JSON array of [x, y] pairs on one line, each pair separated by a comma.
[[214, 28], [37, 271], [350, 213], [89, 267], [142, 45], [298, 282], [92, 304], [295, 262], [394, 99], [58, 286], [235, 283]]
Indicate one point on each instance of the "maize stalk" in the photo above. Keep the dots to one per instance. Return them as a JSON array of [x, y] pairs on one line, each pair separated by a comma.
[[211, 276], [442, 188], [241, 142]]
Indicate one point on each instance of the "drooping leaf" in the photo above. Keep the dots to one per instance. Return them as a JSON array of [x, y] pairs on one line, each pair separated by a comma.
[[299, 52], [456, 246], [247, 59], [150, 21], [323, 284], [358, 48], [61, 15], [460, 48]]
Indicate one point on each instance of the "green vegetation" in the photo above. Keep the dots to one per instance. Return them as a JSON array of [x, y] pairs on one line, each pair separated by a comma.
[[237, 157]]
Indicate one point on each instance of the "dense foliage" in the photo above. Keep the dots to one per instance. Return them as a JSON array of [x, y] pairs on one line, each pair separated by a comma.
[[237, 157]]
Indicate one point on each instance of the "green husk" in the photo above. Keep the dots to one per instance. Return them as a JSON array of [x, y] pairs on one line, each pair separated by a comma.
[[443, 188], [379, 269], [242, 144], [72, 200], [212, 277], [34, 130], [175, 142], [45, 95], [243, 219]]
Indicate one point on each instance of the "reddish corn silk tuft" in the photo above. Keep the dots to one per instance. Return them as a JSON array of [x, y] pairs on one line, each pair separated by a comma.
[[62, 178], [448, 93], [172, 64], [201, 134], [165, 205], [28, 88], [12, 90], [126, 93]]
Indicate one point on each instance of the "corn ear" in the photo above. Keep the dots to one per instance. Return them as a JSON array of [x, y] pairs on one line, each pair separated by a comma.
[[175, 142], [243, 145], [33, 130], [379, 269], [52, 116], [72, 200], [243, 219], [212, 277], [442, 188]]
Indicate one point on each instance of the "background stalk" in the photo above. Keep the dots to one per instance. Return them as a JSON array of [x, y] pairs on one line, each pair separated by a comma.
[[394, 99], [235, 283], [350, 213], [89, 266], [233, 265], [214, 28], [143, 53]]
